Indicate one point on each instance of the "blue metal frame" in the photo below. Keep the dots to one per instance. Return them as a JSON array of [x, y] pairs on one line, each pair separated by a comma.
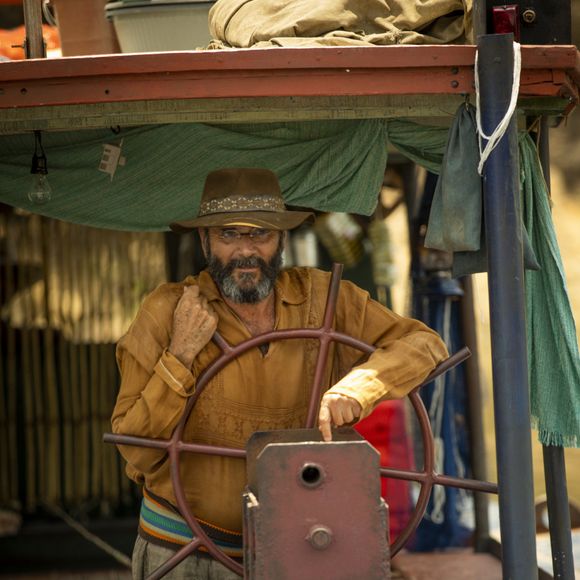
[[507, 314]]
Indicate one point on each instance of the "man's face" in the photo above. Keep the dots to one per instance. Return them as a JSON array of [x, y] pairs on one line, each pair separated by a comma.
[[244, 262]]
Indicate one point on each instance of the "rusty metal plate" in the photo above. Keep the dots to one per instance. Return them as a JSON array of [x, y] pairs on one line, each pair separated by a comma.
[[316, 512], [258, 441]]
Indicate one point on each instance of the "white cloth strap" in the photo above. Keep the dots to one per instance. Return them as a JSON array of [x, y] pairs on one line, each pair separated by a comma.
[[499, 131]]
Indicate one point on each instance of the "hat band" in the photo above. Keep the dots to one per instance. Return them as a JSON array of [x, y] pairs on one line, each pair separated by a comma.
[[242, 203]]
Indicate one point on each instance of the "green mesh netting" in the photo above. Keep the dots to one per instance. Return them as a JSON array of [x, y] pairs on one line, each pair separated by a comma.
[[336, 165], [553, 357]]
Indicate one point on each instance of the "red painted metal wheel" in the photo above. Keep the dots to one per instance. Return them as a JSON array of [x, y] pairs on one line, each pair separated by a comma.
[[326, 335]]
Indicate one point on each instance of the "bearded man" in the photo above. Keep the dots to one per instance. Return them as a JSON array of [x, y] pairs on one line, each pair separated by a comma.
[[244, 292]]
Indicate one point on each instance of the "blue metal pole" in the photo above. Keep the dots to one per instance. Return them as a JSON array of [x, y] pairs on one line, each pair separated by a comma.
[[503, 229]]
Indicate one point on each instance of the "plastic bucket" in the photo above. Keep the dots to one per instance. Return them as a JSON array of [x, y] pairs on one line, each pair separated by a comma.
[[160, 25]]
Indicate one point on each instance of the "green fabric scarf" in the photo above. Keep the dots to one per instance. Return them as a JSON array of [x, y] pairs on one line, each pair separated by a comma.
[[553, 357]]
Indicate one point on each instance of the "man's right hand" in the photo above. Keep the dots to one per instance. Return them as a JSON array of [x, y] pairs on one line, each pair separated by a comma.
[[194, 323]]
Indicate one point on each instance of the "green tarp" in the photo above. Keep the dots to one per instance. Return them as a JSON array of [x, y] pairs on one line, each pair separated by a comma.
[[334, 166]]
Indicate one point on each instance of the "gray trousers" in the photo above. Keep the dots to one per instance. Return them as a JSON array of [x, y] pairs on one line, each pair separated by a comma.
[[148, 557]]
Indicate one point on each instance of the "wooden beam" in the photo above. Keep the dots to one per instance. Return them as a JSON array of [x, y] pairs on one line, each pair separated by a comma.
[[256, 73], [263, 85], [432, 109], [277, 59]]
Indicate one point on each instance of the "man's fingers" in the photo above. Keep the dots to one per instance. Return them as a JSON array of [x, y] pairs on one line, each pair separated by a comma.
[[336, 412], [347, 414], [324, 422], [342, 409], [209, 321]]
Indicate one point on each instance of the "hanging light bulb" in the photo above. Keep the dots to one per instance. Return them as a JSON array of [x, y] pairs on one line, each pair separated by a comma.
[[40, 191]]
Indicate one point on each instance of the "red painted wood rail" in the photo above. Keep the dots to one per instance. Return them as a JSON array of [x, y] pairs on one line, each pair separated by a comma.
[[277, 72]]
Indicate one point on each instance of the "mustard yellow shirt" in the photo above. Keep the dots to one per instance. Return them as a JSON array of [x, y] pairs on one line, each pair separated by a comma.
[[255, 392]]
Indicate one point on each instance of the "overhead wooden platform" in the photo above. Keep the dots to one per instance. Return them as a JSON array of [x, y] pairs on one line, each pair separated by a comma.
[[457, 564], [265, 85]]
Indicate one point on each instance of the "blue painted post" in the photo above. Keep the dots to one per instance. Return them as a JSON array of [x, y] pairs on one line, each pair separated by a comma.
[[507, 314]]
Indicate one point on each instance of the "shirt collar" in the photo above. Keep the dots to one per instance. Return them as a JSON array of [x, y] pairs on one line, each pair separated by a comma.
[[208, 287], [289, 289]]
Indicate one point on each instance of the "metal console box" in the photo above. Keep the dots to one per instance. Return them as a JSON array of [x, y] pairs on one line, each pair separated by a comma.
[[314, 510]]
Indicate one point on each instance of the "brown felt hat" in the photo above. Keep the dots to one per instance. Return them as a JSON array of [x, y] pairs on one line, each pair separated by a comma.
[[243, 197]]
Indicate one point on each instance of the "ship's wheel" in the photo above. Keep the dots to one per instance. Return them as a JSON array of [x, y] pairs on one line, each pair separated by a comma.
[[175, 446]]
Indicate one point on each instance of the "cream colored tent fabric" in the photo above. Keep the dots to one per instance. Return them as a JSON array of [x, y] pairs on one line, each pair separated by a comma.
[[294, 23]]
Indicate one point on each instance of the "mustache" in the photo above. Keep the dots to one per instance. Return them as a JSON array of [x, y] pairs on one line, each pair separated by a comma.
[[249, 262]]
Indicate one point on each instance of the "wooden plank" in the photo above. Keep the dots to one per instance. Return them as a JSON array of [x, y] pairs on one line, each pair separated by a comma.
[[44, 455], [5, 456], [457, 564], [234, 84], [215, 111], [104, 115], [64, 308], [276, 59], [265, 85], [52, 388], [84, 384], [387, 70], [31, 453], [14, 386]]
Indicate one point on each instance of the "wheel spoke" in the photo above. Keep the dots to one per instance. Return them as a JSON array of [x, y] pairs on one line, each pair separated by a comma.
[[178, 557], [325, 340], [419, 476], [136, 441], [211, 449]]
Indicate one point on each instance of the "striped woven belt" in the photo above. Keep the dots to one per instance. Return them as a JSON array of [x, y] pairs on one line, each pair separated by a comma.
[[160, 524]]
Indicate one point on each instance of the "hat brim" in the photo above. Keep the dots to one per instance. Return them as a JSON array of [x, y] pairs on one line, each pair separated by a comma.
[[270, 220]]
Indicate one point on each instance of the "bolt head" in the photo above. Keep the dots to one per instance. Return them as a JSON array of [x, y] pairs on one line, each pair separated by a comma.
[[319, 537], [529, 15]]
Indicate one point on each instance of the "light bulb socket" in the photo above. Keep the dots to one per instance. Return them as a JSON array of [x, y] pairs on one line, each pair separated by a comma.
[[39, 166]]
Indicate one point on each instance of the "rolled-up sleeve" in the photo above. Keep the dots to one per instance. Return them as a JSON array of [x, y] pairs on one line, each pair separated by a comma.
[[172, 372], [155, 385], [406, 352]]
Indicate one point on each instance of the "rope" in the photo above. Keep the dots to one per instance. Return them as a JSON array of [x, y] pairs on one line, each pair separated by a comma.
[[436, 410], [119, 556], [499, 131]]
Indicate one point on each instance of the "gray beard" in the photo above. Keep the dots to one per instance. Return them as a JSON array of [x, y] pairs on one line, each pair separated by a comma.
[[246, 291]]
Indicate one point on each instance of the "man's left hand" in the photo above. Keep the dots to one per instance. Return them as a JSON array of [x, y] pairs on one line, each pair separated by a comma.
[[336, 410]]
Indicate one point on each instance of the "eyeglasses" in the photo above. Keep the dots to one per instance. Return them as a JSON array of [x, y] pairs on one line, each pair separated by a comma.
[[256, 235]]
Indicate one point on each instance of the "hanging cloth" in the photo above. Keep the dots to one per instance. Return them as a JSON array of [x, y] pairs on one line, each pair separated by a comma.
[[553, 357], [456, 211], [456, 218]]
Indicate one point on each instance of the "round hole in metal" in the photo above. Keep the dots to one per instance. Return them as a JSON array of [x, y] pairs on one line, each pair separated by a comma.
[[311, 475]]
